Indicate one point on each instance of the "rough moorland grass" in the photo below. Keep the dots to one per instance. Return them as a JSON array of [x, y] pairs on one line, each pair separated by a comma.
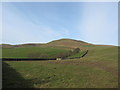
[[103, 52], [28, 52], [107, 55], [43, 74]]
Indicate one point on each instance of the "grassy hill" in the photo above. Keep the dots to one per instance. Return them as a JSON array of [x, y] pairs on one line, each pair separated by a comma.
[[69, 43], [98, 69], [52, 49], [61, 43]]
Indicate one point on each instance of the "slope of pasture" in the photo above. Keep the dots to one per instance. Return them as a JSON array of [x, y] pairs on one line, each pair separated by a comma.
[[104, 57], [32, 52], [98, 69], [103, 53], [50, 75]]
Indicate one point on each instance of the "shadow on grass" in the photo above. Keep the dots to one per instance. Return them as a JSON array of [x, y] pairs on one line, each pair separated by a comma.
[[12, 79]]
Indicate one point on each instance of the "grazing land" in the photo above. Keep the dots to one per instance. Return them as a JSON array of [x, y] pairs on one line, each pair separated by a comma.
[[32, 52], [97, 69]]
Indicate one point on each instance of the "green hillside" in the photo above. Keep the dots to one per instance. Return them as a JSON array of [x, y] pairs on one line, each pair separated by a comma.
[[97, 69], [32, 52], [54, 49]]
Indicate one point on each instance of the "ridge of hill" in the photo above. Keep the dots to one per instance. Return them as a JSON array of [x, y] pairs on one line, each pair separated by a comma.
[[66, 43], [71, 43]]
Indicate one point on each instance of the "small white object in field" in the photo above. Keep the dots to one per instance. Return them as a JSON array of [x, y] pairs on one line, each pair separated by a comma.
[[58, 59]]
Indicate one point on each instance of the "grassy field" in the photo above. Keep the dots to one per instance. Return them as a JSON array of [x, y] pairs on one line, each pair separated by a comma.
[[98, 69], [31, 52], [39, 52]]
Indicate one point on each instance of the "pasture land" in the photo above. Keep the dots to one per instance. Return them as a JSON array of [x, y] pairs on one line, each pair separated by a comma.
[[98, 69], [32, 52]]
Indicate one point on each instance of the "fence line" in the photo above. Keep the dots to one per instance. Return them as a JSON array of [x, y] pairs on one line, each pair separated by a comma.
[[26, 59]]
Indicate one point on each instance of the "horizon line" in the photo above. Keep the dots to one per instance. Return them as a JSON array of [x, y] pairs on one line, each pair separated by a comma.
[[56, 40]]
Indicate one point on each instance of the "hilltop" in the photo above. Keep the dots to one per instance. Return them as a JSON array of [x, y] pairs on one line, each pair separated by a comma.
[[69, 43], [65, 43]]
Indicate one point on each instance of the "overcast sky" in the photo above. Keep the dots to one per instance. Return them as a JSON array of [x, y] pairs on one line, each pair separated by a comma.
[[41, 22]]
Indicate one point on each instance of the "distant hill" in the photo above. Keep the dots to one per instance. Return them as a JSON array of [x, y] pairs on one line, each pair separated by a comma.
[[65, 43], [53, 49], [21, 45], [71, 43], [61, 44], [6, 45]]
